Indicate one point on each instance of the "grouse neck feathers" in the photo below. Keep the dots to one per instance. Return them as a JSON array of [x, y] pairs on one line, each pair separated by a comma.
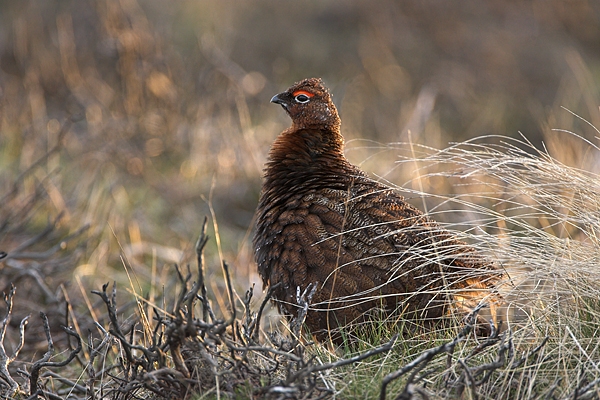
[[311, 151]]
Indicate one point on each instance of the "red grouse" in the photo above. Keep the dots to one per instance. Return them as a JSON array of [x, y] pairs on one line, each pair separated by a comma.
[[323, 222]]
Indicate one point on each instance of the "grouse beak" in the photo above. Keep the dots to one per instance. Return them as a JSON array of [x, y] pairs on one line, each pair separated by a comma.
[[283, 100], [278, 99]]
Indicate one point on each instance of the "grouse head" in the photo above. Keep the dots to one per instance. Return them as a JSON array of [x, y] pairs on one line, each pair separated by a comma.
[[309, 104]]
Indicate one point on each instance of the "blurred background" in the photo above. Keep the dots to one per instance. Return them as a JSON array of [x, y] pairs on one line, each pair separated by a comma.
[[139, 118]]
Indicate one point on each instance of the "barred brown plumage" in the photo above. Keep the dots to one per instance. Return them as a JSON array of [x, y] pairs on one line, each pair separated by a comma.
[[323, 221]]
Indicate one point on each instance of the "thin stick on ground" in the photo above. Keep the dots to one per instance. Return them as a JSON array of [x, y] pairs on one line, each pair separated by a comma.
[[44, 361], [6, 360]]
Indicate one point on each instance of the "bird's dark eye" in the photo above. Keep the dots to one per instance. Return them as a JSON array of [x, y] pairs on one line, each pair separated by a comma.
[[302, 98]]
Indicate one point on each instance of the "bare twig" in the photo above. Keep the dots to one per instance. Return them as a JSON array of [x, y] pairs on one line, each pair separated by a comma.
[[316, 368], [202, 240], [44, 361], [5, 360], [490, 340], [550, 393], [469, 378], [184, 325], [255, 325], [25, 268], [519, 362], [95, 351], [73, 385], [303, 300], [589, 391], [150, 356]]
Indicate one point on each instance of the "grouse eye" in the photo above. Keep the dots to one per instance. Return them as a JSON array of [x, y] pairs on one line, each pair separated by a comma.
[[302, 98]]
